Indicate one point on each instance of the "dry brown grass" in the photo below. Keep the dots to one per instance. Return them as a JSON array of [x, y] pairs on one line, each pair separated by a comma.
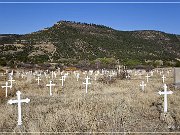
[[117, 107]]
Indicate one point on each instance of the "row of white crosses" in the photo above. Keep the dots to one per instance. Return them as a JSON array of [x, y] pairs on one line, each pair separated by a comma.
[[19, 100], [165, 92]]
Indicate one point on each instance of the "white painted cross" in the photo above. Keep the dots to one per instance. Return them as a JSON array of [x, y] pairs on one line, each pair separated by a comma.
[[77, 76], [147, 77], [143, 85], [55, 74], [95, 77], [6, 86], [110, 76], [22, 75], [119, 69], [52, 75], [135, 73], [90, 72], [152, 73], [86, 83], [62, 80], [65, 75], [19, 101], [50, 87], [163, 77], [11, 74], [128, 76], [11, 80], [165, 92], [38, 79]]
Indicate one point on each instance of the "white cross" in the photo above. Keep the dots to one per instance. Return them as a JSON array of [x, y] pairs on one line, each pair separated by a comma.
[[95, 77], [52, 74], [38, 79], [65, 75], [152, 73], [11, 74], [147, 77], [163, 77], [135, 73], [62, 80], [22, 75], [55, 74], [143, 85], [90, 72], [59, 70], [119, 68], [128, 76], [110, 76], [19, 101], [6, 86], [50, 87], [165, 92], [77, 76], [11, 80], [86, 83]]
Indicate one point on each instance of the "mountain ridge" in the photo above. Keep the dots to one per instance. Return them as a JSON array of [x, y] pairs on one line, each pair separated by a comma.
[[82, 41]]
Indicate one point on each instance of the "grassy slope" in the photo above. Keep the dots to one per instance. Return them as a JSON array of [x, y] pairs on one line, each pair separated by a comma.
[[118, 107]]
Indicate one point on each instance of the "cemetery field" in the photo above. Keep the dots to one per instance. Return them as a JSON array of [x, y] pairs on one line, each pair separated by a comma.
[[117, 106]]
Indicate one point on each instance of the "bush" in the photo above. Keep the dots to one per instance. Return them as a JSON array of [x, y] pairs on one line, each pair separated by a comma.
[[132, 63]]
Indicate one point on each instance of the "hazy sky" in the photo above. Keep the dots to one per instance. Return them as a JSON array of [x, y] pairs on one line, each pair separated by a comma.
[[26, 18]]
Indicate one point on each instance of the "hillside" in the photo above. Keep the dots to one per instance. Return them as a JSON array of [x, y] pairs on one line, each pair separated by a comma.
[[69, 42]]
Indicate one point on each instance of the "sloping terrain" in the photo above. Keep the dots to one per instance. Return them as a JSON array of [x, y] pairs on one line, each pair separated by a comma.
[[79, 41]]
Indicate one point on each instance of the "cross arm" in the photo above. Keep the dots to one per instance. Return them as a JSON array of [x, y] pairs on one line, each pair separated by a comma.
[[12, 101], [27, 100]]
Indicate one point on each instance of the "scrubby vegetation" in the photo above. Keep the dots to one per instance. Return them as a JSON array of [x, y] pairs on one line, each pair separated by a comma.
[[118, 106], [72, 42]]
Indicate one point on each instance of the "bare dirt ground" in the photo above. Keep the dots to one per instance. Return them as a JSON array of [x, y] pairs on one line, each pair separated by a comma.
[[118, 107]]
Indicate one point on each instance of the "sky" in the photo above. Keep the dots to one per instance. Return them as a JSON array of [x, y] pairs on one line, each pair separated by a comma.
[[23, 18]]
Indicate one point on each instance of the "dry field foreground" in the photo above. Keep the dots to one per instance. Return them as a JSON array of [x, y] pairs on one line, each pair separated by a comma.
[[117, 107]]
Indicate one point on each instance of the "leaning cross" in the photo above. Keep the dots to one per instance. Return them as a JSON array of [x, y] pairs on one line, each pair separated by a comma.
[[165, 92], [50, 87], [19, 101], [86, 83], [6, 86]]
